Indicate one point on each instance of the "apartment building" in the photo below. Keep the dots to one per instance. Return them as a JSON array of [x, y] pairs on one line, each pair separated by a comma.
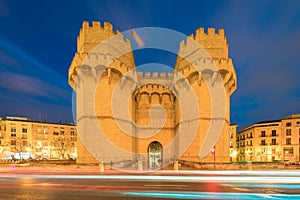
[[270, 141], [232, 142], [21, 138]]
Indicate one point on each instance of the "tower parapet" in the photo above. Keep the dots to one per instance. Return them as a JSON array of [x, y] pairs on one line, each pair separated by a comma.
[[215, 43], [101, 46], [161, 78], [91, 35], [206, 51]]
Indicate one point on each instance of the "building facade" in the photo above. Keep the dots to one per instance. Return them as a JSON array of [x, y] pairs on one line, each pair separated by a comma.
[[100, 70], [21, 138], [270, 141], [232, 142]]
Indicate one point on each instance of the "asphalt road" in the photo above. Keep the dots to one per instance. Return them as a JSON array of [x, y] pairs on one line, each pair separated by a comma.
[[180, 185]]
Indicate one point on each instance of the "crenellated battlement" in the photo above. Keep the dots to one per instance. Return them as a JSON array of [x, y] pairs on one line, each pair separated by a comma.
[[100, 45], [155, 75], [90, 35], [161, 78], [214, 43], [200, 32], [153, 87]]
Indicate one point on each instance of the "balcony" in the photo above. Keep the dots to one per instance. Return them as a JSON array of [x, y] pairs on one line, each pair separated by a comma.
[[274, 143], [263, 135], [274, 135], [263, 144]]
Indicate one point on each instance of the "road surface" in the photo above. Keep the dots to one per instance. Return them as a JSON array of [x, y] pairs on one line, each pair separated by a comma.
[[156, 185]]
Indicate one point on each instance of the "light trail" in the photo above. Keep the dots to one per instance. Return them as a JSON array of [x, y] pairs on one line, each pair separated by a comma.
[[204, 185], [210, 195], [255, 177]]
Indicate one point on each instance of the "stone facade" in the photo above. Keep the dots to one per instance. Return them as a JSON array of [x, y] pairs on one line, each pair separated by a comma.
[[270, 141], [151, 93], [21, 138], [232, 142]]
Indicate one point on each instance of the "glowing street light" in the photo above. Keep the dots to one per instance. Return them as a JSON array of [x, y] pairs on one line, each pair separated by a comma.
[[214, 152]]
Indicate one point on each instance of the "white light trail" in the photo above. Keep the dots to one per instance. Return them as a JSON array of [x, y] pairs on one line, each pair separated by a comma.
[[248, 177]]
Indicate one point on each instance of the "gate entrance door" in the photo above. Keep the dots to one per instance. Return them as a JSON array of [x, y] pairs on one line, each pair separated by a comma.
[[155, 155]]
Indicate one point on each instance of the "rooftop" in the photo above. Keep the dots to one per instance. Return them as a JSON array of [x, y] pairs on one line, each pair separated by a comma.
[[24, 119]]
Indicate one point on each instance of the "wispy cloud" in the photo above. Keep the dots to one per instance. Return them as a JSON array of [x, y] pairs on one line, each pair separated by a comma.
[[264, 41], [27, 86], [137, 38], [32, 86], [6, 60]]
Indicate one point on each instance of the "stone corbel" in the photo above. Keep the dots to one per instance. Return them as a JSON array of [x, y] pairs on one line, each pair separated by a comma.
[[199, 78], [149, 98], [122, 82], [187, 83], [172, 99], [160, 99], [137, 98], [109, 75], [94, 74], [213, 78], [227, 78]]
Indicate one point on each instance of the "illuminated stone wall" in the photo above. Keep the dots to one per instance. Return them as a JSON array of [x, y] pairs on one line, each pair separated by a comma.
[[153, 90]]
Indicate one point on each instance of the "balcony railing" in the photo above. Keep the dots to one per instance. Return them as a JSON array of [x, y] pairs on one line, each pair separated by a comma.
[[263, 144], [263, 135]]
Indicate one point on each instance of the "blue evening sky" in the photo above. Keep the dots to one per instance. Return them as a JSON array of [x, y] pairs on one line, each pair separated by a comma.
[[38, 42]]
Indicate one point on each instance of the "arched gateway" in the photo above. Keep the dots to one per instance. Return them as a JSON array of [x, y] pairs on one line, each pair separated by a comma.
[[155, 155]]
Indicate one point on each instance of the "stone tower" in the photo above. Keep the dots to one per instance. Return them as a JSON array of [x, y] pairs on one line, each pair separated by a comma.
[[214, 52], [97, 73]]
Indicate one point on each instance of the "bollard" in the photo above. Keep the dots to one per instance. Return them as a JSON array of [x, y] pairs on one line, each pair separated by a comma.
[[250, 165], [140, 165], [101, 166], [176, 167]]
